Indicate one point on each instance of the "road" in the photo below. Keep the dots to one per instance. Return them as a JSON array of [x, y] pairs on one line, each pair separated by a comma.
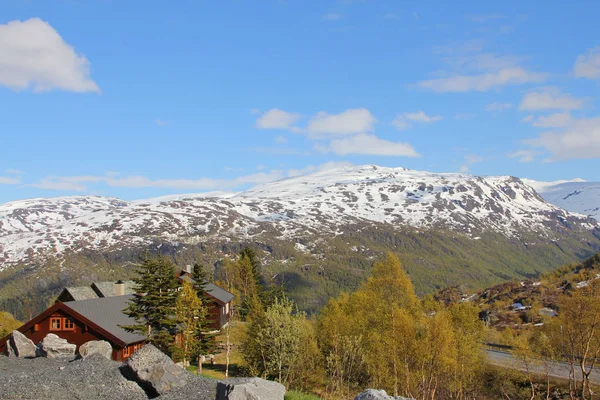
[[559, 370]]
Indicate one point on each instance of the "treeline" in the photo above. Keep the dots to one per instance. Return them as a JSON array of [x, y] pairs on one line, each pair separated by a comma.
[[382, 336]]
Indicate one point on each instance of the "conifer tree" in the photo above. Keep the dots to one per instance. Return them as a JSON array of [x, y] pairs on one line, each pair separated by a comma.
[[205, 342], [153, 304]]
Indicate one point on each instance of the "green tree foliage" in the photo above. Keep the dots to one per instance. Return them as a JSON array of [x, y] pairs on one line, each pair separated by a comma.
[[153, 304], [274, 342], [189, 315], [8, 323], [383, 336]]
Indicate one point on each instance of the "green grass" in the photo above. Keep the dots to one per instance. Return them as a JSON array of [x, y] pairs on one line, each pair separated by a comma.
[[294, 395]]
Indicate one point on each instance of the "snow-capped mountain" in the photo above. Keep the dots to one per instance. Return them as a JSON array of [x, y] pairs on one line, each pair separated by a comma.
[[576, 196], [324, 203]]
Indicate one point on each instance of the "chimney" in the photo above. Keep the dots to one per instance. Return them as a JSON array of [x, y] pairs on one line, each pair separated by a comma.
[[188, 269], [119, 288]]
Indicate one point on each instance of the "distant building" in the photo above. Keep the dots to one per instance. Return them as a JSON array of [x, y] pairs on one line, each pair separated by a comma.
[[548, 312]]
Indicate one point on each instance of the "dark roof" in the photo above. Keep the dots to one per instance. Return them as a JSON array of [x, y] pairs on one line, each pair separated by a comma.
[[218, 293], [107, 288], [107, 313], [80, 293]]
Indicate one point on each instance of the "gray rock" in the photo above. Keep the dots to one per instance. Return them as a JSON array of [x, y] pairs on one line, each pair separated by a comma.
[[20, 345], [154, 371], [55, 347], [372, 394], [249, 389], [101, 347]]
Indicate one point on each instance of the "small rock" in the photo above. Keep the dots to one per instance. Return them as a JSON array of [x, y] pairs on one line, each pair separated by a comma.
[[372, 394], [101, 347], [154, 371], [55, 347], [249, 389], [20, 345]]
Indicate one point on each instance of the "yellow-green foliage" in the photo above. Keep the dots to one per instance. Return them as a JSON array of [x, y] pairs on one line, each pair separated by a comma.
[[382, 336], [7, 323]]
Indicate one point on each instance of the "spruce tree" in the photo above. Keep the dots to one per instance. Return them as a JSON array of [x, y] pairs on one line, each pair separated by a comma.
[[205, 342], [153, 304]]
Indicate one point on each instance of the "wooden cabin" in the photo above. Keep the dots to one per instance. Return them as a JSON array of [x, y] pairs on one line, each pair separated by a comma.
[[81, 321]]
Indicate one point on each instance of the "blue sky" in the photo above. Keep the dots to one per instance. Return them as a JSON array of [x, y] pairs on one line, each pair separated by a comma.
[[139, 99]]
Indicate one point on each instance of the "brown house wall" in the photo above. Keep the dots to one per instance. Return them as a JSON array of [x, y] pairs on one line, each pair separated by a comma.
[[80, 335]]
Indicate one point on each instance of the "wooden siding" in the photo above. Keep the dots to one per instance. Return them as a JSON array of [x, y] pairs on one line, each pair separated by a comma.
[[80, 334]]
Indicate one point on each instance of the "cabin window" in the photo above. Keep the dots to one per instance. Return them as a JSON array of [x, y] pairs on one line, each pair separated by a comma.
[[226, 308], [126, 351], [68, 324], [36, 327], [55, 324]]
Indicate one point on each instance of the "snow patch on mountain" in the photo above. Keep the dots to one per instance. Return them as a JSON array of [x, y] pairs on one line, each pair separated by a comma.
[[577, 195], [324, 203]]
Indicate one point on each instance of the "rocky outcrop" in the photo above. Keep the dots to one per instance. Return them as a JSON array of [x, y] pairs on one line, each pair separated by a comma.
[[249, 389], [101, 347], [19, 345], [372, 394], [55, 347], [154, 371]]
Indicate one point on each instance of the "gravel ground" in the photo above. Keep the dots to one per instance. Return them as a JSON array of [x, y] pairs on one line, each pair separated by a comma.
[[94, 378]]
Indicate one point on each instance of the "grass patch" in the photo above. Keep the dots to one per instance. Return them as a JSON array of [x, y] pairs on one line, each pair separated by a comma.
[[294, 395]]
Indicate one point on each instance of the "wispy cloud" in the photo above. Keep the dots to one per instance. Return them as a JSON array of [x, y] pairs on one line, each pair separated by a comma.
[[369, 145], [280, 139], [548, 99], [5, 180], [524, 156], [496, 107], [277, 119], [160, 122], [575, 138], [319, 168], [469, 160], [402, 121], [470, 69], [588, 65], [35, 56], [557, 120]]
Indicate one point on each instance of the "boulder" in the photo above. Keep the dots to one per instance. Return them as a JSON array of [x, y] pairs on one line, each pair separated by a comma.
[[372, 394], [101, 347], [55, 347], [19, 345], [249, 389], [154, 371]]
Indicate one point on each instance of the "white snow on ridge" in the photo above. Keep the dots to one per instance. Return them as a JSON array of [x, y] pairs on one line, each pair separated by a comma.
[[576, 196], [323, 202]]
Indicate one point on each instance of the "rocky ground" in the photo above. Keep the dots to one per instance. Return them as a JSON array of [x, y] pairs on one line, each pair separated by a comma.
[[94, 378]]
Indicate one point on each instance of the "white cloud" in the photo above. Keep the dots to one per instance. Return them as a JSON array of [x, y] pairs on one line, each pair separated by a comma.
[[549, 99], [9, 181], [277, 119], [483, 82], [494, 107], [557, 120], [579, 138], [402, 120], [588, 65], [332, 17], [352, 121], [370, 145], [319, 168], [35, 55], [280, 139], [524, 156], [528, 118]]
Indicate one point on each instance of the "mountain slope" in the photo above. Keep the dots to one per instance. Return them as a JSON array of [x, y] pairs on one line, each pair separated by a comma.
[[576, 196], [319, 233]]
